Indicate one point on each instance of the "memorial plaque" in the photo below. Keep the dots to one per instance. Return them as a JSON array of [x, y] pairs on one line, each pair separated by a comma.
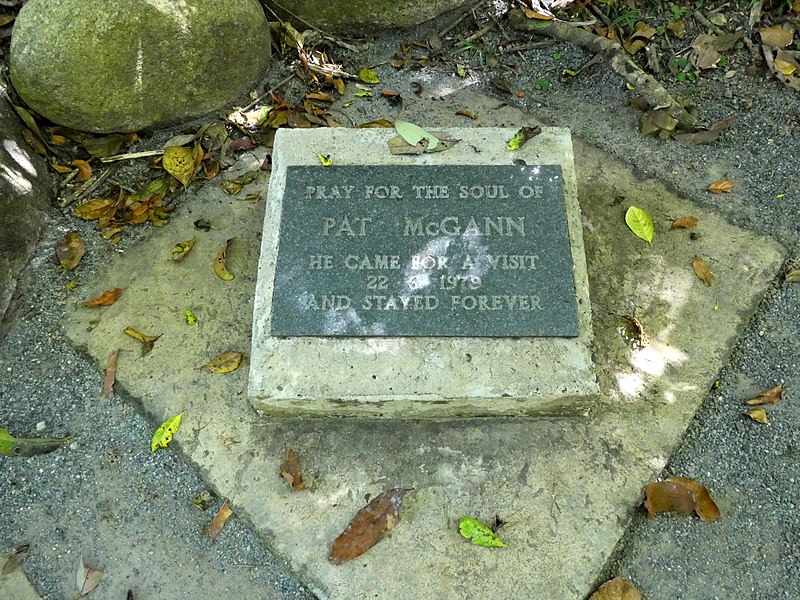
[[412, 250]]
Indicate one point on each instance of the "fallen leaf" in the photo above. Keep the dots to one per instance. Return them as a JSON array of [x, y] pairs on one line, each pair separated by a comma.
[[326, 161], [70, 250], [219, 262], [465, 112], [637, 337], [776, 36], [479, 533], [640, 223], [111, 374], [705, 55], [204, 500], [368, 526], [702, 271], [6, 19], [375, 124], [397, 145], [163, 435], [147, 340], [771, 396], [178, 161], [677, 27], [534, 13], [101, 147], [84, 170], [519, 139], [680, 494], [218, 522], [96, 209], [87, 579], [107, 298], [617, 589], [684, 223], [244, 143], [784, 67], [225, 362], [414, 134], [292, 471], [15, 559], [758, 414], [202, 224], [722, 186], [792, 275], [368, 76], [179, 140], [181, 249], [60, 169], [11, 446]]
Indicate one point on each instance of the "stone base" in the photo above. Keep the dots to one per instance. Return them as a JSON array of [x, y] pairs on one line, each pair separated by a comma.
[[419, 376]]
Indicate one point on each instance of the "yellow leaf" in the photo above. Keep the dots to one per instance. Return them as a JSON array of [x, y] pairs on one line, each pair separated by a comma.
[[723, 186], [163, 435], [96, 209], [758, 414], [640, 223], [219, 262], [368, 76], [61, 169], [225, 362], [147, 340], [326, 161], [178, 161], [181, 249], [702, 271], [519, 139], [784, 67]]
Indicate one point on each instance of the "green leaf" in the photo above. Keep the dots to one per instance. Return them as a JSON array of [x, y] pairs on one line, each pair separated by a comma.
[[11, 446], [326, 161], [190, 318], [479, 533], [414, 134], [542, 84], [163, 435], [363, 94], [460, 70], [640, 223], [368, 76]]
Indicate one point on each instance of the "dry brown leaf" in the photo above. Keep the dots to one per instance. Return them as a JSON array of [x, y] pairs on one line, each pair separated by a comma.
[[15, 559], [465, 112], [70, 250], [684, 223], [702, 271], [292, 471], [680, 494], [617, 589], [96, 209], [225, 362], [759, 415], [368, 526], [722, 186], [111, 374], [636, 336], [107, 298], [87, 579], [218, 522], [793, 275], [771, 396], [84, 170], [776, 36]]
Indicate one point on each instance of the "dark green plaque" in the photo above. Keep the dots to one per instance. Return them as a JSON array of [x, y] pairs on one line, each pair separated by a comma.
[[476, 251]]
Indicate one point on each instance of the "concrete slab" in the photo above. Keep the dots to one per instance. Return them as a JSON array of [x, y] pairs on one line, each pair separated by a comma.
[[14, 585], [566, 486], [407, 377]]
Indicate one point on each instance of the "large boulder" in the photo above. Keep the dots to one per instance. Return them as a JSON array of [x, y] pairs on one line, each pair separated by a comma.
[[128, 65], [363, 16], [26, 190]]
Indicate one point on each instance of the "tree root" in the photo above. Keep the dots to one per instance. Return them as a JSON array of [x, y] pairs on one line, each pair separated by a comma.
[[646, 85]]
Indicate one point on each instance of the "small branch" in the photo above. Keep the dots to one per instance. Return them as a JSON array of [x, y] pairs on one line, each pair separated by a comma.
[[88, 187], [463, 16], [699, 17], [132, 155], [280, 84], [616, 57]]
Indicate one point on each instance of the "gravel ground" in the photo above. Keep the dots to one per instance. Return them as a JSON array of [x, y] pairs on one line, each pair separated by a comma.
[[106, 486]]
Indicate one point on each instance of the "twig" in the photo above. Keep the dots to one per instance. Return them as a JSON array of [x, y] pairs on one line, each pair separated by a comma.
[[483, 30], [646, 85], [698, 16], [755, 14], [458, 21], [131, 155], [280, 84], [599, 14], [89, 187], [527, 46]]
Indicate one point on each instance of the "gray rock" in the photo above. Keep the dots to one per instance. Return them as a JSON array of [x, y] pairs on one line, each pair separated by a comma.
[[363, 16], [25, 192], [116, 65]]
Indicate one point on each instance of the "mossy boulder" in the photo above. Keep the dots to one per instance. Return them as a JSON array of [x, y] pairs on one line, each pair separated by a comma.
[[123, 65], [362, 16]]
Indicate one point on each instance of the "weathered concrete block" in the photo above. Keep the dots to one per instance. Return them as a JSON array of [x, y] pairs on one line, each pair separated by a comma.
[[407, 376], [123, 66]]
